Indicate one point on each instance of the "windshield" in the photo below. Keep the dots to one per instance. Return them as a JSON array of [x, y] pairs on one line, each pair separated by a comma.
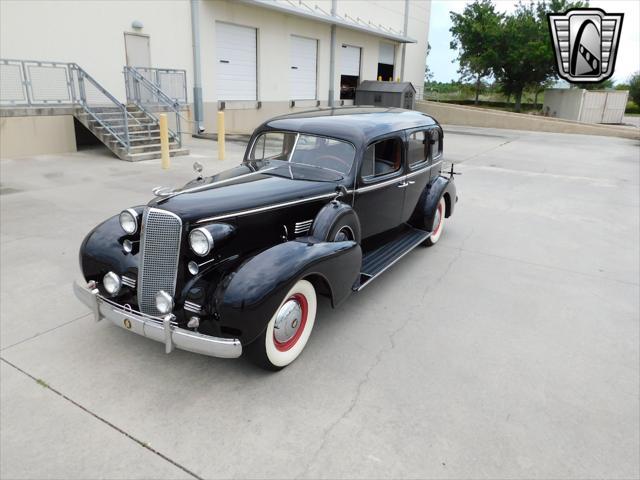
[[304, 149]]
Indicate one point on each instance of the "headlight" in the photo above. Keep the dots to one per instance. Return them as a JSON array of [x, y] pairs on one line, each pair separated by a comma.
[[112, 283], [200, 241], [164, 302], [129, 221]]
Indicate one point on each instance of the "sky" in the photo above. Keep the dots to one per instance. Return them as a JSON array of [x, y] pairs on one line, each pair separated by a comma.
[[441, 56]]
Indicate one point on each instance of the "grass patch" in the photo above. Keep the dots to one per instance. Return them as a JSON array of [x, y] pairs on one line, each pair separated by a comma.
[[42, 383]]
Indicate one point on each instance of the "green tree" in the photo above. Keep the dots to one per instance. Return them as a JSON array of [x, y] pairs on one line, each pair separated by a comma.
[[634, 88], [527, 59], [476, 33]]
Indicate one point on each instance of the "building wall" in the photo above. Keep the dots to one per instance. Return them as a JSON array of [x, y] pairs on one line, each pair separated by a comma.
[[36, 135], [91, 33]]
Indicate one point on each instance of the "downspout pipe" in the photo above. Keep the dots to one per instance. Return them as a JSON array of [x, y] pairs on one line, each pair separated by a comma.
[[197, 75], [406, 31], [332, 56]]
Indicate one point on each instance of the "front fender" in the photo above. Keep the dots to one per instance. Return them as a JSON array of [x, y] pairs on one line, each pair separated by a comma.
[[247, 298], [101, 251]]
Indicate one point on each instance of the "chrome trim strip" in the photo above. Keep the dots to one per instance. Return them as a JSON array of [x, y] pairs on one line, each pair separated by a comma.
[[161, 330], [302, 227], [192, 307], [215, 184], [268, 207], [128, 281], [397, 179]]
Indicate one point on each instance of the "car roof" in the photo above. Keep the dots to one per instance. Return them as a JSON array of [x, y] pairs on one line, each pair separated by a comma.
[[355, 124]]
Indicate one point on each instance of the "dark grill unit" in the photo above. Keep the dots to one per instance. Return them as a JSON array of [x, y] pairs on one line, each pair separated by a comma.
[[386, 94]]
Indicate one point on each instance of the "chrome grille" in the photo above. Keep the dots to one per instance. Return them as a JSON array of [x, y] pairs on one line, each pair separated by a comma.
[[159, 252]]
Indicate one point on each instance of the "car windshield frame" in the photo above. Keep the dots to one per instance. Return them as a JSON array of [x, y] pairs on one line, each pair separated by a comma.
[[293, 150]]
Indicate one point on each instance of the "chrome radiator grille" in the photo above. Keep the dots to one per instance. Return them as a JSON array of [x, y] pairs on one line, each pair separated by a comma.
[[159, 252]]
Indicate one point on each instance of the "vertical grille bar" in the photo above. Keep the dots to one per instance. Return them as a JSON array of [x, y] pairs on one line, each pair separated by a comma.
[[159, 253]]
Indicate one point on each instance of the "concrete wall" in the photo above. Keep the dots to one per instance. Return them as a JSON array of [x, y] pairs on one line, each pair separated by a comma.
[[563, 102], [480, 117], [36, 135]]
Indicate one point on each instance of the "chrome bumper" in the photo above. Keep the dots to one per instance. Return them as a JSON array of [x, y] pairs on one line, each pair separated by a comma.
[[156, 328]]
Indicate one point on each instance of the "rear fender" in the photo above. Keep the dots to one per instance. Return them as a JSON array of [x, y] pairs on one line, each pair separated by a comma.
[[247, 298], [431, 196]]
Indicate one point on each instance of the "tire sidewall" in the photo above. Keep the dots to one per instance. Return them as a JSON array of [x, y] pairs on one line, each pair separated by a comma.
[[278, 358], [435, 236]]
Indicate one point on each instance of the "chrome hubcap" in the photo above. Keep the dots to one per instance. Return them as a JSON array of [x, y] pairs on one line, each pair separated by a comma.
[[287, 321]]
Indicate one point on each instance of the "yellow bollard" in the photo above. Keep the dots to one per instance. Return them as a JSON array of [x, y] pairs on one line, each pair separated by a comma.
[[397, 79], [220, 135], [164, 141], [379, 78]]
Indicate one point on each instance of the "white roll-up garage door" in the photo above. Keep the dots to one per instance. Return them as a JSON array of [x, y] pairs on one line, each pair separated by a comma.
[[236, 62], [350, 61], [303, 54]]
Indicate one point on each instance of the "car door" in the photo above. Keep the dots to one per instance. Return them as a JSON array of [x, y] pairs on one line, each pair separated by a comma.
[[423, 146], [381, 185]]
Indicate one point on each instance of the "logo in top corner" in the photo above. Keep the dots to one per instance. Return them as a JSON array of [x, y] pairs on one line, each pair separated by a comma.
[[585, 41]]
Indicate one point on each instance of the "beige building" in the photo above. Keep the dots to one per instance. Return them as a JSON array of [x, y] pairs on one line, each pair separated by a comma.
[[251, 58]]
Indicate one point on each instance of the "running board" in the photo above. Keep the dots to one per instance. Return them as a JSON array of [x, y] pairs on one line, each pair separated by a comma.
[[378, 260]]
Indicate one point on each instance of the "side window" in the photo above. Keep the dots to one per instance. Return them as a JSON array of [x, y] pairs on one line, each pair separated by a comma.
[[382, 158], [418, 148], [436, 147]]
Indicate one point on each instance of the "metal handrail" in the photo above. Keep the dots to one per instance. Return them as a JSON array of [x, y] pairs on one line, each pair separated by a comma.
[[82, 76], [70, 90], [136, 83]]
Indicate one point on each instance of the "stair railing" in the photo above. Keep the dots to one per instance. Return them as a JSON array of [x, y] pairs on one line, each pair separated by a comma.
[[34, 83], [103, 107], [149, 98]]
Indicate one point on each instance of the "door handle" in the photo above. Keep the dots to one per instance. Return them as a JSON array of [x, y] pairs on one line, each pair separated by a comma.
[[403, 185]]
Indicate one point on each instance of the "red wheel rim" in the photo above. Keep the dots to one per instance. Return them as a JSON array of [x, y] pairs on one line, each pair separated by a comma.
[[437, 229], [304, 306]]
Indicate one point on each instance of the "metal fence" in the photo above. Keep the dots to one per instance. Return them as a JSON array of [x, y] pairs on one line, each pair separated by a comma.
[[172, 82]]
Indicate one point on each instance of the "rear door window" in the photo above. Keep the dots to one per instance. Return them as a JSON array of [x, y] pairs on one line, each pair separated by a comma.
[[418, 148]]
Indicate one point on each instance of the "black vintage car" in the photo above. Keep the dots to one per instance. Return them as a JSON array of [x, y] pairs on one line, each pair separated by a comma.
[[323, 203]]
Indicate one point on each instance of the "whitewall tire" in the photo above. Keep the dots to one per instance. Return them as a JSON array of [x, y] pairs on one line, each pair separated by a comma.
[[288, 330], [437, 226]]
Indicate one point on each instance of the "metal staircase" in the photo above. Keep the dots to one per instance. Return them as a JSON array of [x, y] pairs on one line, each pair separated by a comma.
[[130, 131]]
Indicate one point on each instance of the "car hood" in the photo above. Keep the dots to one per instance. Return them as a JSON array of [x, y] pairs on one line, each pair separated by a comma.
[[245, 187]]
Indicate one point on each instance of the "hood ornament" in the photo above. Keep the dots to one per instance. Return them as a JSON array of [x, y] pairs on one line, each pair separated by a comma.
[[162, 191], [197, 167]]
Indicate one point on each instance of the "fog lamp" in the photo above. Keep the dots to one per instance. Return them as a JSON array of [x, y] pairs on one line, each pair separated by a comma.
[[193, 267], [194, 322], [164, 302], [127, 246], [112, 283]]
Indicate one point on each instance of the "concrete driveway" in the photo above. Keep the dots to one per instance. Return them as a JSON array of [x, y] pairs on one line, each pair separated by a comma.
[[509, 350]]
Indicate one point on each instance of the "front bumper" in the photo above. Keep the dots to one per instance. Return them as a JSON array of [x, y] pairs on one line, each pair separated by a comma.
[[156, 328]]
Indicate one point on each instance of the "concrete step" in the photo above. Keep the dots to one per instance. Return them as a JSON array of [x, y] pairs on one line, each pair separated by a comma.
[[137, 157]]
